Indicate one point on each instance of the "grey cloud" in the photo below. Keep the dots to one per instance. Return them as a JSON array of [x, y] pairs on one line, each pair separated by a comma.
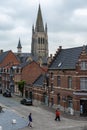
[[58, 15]]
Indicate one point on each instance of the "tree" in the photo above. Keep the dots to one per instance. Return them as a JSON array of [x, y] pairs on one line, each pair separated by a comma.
[[21, 86]]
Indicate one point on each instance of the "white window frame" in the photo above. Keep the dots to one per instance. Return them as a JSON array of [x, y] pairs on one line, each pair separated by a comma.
[[83, 65], [83, 83]]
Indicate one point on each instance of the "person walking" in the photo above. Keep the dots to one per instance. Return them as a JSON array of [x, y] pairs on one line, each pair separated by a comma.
[[57, 113], [30, 120]]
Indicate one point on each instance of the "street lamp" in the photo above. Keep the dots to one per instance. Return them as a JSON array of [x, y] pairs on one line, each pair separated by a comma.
[[64, 101], [47, 82], [12, 79]]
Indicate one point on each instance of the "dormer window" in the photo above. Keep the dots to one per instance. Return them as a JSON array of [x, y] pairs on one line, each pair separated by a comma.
[[84, 65]]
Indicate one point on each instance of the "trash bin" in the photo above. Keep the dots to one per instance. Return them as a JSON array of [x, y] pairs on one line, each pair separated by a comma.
[[71, 111], [0, 127], [13, 121]]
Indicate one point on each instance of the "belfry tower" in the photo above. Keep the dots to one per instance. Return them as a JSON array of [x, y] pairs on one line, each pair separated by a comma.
[[39, 45]]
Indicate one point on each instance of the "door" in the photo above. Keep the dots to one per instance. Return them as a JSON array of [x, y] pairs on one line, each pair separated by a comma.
[[83, 107]]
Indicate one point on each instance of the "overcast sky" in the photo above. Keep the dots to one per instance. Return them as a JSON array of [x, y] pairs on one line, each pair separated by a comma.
[[66, 21]]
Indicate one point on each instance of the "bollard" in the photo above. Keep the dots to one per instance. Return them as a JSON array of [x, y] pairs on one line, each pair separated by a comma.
[[13, 121], [0, 127]]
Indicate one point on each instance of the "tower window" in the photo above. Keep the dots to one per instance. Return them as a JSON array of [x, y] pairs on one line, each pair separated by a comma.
[[39, 40], [43, 40]]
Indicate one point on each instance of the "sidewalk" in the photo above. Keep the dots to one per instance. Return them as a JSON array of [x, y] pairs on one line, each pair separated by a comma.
[[64, 114], [51, 109]]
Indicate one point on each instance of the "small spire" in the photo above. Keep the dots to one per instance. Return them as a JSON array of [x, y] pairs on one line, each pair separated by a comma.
[[39, 22], [19, 44], [19, 47]]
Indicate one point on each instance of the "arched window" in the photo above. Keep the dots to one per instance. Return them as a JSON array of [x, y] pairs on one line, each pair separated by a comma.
[[39, 40]]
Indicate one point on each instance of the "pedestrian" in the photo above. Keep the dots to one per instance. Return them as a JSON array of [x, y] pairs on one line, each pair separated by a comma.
[[30, 120], [57, 113]]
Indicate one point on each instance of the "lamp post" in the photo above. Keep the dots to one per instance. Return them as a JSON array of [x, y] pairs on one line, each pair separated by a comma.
[[47, 82], [12, 79], [64, 101]]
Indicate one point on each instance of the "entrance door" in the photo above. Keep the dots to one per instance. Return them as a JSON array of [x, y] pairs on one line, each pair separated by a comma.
[[83, 107], [30, 95], [46, 100]]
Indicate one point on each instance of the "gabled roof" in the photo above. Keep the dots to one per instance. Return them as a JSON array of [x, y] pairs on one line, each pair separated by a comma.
[[39, 22], [39, 81], [66, 58], [3, 55], [24, 56]]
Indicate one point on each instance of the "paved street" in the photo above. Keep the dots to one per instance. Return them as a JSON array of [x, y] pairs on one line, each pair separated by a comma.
[[42, 118]]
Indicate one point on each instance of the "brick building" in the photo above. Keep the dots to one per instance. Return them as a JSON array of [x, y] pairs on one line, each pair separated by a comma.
[[65, 84], [7, 60], [68, 79]]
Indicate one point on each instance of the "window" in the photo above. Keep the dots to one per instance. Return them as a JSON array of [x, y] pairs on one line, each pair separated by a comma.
[[51, 86], [43, 40], [39, 40], [52, 77], [58, 81], [69, 102], [69, 82], [83, 83], [58, 98], [17, 70], [83, 65]]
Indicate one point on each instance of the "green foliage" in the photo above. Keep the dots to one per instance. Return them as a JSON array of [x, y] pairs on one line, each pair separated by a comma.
[[21, 86]]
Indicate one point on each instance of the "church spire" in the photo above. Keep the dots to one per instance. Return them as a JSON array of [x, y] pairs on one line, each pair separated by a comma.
[[19, 47], [39, 22]]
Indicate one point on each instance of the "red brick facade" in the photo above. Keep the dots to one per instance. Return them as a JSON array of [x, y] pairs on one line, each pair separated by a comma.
[[68, 91], [31, 72], [10, 59]]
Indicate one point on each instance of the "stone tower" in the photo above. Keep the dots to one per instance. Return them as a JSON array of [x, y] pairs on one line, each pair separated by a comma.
[[39, 45]]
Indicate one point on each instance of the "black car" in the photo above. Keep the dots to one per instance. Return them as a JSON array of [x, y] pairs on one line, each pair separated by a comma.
[[7, 93], [0, 90], [26, 101]]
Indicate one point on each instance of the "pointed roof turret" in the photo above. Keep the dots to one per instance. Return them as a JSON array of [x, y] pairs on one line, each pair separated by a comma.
[[19, 47], [39, 22], [19, 44]]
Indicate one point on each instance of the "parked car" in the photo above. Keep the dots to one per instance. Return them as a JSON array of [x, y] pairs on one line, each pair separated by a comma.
[[26, 101], [0, 90], [7, 93]]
